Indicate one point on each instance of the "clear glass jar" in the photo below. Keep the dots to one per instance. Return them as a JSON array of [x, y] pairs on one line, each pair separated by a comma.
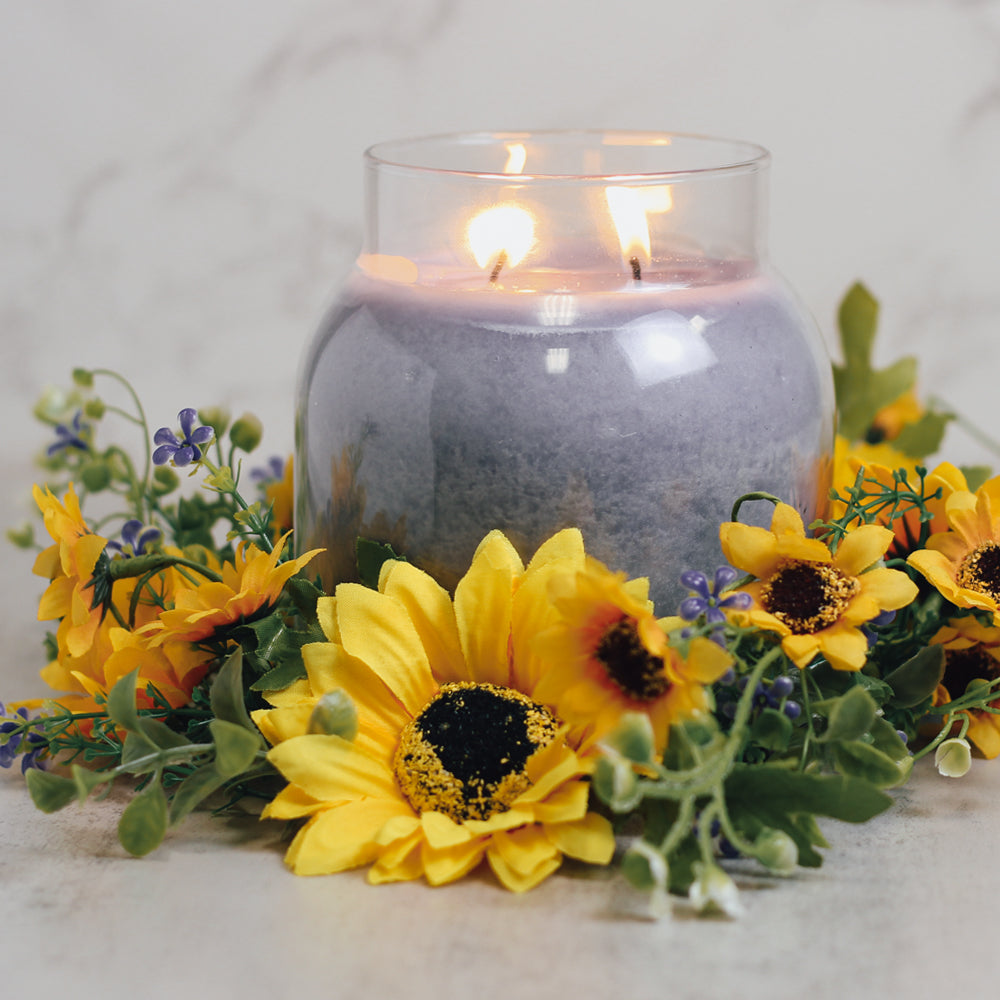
[[559, 328]]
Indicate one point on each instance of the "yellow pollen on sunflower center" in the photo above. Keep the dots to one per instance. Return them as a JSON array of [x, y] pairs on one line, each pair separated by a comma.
[[808, 596], [980, 570], [464, 755]]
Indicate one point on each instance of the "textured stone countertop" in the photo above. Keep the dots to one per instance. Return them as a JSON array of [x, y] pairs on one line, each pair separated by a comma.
[[901, 908]]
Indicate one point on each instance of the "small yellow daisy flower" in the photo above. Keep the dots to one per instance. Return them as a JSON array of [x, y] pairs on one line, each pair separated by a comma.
[[972, 652], [816, 600], [251, 584], [963, 562], [607, 655]]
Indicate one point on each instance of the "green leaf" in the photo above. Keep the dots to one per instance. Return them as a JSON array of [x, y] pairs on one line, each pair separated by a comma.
[[280, 677], [235, 747], [50, 792], [144, 821], [121, 703], [915, 680], [842, 797], [86, 781], [858, 321], [862, 760], [886, 739], [140, 755], [226, 695], [161, 735], [194, 789], [850, 716], [772, 729], [924, 436], [861, 390], [304, 594], [371, 555], [975, 475]]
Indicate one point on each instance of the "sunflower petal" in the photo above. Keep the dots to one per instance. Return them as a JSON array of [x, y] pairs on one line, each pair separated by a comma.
[[341, 837], [450, 863], [861, 548], [330, 768], [589, 839], [523, 858], [377, 630], [483, 604], [430, 610]]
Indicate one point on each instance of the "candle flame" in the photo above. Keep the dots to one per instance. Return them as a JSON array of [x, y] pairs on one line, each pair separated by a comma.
[[517, 156], [629, 209], [503, 230]]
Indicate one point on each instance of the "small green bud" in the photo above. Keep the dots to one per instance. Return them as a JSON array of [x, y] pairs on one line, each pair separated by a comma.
[[165, 480], [335, 715], [615, 782], [633, 738], [216, 417], [83, 378], [55, 406], [953, 758], [246, 432], [978, 685], [23, 537], [775, 850], [94, 408], [96, 476]]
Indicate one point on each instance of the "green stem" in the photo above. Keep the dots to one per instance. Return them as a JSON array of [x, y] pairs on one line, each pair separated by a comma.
[[146, 437]]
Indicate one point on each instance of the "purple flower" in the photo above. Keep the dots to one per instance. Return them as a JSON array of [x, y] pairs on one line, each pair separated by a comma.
[[74, 436], [273, 472], [706, 599], [186, 450], [30, 745], [135, 538]]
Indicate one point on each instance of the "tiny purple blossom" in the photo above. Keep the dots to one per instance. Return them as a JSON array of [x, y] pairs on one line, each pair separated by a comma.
[[188, 448], [707, 599], [135, 538], [28, 746], [73, 436], [273, 472]]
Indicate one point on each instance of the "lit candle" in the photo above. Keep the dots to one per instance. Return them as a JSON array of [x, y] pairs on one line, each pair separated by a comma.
[[529, 347]]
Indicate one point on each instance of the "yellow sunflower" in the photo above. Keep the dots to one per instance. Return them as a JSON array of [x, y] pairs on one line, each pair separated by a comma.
[[69, 565], [455, 759], [879, 462], [252, 582], [972, 652], [174, 668], [963, 562], [606, 655], [814, 599]]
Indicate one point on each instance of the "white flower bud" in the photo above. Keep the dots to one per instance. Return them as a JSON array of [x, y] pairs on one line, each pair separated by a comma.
[[953, 758]]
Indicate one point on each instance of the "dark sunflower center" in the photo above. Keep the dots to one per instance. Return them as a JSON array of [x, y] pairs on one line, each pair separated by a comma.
[[629, 664], [464, 755], [963, 666], [980, 570], [806, 596]]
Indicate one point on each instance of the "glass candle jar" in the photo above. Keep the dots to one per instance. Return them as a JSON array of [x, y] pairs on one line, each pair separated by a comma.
[[552, 329]]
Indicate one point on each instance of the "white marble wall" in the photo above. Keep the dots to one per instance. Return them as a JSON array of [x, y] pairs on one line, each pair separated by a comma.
[[181, 180]]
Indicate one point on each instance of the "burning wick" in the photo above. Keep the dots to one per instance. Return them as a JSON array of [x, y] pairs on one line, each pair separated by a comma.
[[499, 266], [636, 269]]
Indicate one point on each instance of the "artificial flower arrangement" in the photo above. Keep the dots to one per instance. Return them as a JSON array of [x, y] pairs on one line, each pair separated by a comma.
[[542, 709]]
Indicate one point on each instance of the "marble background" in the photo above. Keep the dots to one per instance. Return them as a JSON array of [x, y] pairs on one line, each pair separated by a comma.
[[182, 180]]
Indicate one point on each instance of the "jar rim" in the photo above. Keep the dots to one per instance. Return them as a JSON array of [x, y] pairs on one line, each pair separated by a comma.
[[699, 155]]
